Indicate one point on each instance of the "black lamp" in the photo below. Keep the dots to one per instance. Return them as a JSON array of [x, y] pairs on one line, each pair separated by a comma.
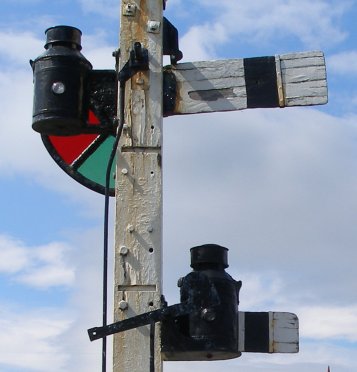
[[64, 87]]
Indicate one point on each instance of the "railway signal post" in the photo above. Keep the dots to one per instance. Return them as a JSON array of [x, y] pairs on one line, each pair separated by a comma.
[[75, 112]]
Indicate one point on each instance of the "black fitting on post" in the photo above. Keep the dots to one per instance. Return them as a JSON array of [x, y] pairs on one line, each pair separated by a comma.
[[170, 42], [211, 331], [204, 325], [66, 88], [138, 61]]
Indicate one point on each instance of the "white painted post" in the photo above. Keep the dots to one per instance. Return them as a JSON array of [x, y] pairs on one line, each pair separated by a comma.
[[138, 230]]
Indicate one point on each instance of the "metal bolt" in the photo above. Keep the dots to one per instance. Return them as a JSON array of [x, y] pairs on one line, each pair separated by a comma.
[[124, 171], [208, 314], [130, 228], [123, 305], [153, 26], [129, 10], [58, 87], [150, 229], [123, 251]]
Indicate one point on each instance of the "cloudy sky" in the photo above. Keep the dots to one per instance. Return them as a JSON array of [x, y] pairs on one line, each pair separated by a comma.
[[275, 186]]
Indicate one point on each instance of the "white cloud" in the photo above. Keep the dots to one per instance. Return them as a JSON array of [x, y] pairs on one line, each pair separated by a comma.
[[56, 338], [329, 322], [197, 47], [343, 63], [29, 340], [19, 47], [314, 24], [108, 8], [40, 267], [13, 255]]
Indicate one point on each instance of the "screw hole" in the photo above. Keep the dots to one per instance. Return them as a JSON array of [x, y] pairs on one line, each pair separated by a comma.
[[151, 250], [151, 303]]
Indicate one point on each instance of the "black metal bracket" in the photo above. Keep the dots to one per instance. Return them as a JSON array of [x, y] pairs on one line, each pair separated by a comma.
[[140, 320], [170, 44], [201, 295], [138, 61], [169, 93]]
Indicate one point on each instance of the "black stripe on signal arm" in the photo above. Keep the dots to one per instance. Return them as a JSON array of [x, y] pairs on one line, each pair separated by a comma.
[[256, 332], [261, 82]]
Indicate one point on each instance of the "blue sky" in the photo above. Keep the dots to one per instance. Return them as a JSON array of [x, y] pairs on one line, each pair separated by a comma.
[[277, 187]]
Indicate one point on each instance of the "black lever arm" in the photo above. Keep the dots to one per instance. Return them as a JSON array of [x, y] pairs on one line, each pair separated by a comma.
[[141, 320]]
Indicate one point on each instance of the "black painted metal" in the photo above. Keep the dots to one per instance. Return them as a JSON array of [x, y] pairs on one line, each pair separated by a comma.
[[138, 61], [261, 82], [170, 42], [139, 321], [204, 326], [211, 331], [60, 79], [66, 87], [103, 97], [209, 255], [256, 337], [169, 92]]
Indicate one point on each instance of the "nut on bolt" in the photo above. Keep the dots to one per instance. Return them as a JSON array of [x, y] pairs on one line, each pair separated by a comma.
[[123, 305]]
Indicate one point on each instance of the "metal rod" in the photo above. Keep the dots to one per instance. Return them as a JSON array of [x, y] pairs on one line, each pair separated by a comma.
[[152, 346]]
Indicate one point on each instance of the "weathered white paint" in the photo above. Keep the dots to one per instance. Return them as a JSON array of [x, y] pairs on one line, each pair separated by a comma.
[[138, 274], [301, 77], [283, 332], [304, 76]]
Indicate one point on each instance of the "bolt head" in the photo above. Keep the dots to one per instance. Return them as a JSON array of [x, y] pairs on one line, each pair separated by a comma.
[[123, 305], [123, 251], [208, 314], [153, 26], [58, 87], [129, 10]]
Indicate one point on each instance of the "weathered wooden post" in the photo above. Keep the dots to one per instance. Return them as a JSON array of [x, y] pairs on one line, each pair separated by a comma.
[[138, 230]]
